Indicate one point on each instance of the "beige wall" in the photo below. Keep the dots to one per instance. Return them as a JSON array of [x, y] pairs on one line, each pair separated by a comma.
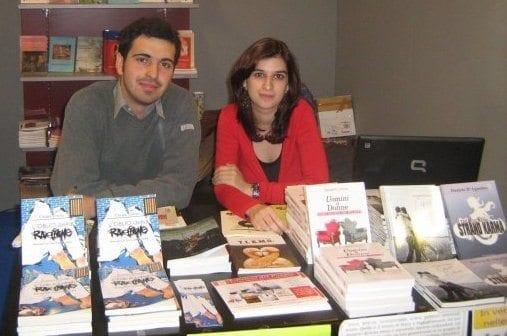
[[432, 67]]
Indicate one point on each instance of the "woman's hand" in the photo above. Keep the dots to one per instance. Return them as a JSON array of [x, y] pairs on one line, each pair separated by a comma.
[[231, 175], [264, 217]]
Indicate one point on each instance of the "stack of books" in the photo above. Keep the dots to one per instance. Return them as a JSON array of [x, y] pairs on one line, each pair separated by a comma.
[[297, 221], [255, 251], [135, 288], [198, 248], [271, 294], [34, 133], [364, 279], [55, 276]]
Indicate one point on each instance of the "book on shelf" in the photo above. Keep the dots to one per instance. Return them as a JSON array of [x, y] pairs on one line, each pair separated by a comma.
[[34, 53], [62, 53], [35, 173], [261, 255], [416, 219], [450, 284], [197, 305], [337, 214], [271, 294], [110, 42], [491, 269], [55, 275], [476, 218], [63, 1], [187, 55], [132, 278], [88, 54], [34, 1], [235, 226]]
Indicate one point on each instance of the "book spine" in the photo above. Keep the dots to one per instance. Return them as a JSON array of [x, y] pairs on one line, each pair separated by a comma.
[[109, 50]]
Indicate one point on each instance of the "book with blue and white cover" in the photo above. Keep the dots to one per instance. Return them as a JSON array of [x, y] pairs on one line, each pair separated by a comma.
[[131, 272], [55, 274], [476, 218], [53, 233]]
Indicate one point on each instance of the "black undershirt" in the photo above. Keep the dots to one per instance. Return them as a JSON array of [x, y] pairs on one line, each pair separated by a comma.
[[271, 169]]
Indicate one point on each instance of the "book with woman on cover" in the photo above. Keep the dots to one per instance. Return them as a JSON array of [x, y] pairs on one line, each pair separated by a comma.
[[416, 219], [476, 218]]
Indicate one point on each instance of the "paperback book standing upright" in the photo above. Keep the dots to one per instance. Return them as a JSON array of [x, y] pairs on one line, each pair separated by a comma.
[[135, 287], [55, 279], [476, 218]]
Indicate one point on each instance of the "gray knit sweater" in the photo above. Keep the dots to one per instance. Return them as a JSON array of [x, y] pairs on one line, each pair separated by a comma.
[[104, 156]]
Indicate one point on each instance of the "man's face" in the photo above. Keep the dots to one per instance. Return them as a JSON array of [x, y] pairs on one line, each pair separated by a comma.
[[146, 72]]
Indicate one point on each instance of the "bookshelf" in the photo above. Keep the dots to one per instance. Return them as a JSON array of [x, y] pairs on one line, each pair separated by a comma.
[[51, 90]]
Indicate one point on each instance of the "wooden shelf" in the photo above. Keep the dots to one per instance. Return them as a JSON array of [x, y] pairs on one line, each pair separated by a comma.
[[168, 5], [73, 76], [39, 149]]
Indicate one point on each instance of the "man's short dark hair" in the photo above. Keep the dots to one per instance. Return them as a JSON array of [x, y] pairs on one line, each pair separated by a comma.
[[150, 27]]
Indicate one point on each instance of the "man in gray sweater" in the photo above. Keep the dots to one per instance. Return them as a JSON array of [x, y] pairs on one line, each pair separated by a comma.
[[137, 135]]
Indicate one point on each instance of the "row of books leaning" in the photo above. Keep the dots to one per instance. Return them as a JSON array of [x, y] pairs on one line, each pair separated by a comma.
[[370, 247], [85, 54]]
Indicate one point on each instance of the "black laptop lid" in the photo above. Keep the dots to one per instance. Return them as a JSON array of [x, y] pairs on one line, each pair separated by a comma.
[[394, 160]]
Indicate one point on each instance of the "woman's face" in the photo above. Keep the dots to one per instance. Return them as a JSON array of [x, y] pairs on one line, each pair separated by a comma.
[[267, 85]]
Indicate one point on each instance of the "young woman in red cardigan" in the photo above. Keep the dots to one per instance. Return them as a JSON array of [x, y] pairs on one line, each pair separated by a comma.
[[267, 138]]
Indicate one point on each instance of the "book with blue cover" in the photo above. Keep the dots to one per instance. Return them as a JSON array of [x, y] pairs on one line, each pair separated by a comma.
[[53, 233], [131, 273], [62, 53], [476, 218], [55, 274]]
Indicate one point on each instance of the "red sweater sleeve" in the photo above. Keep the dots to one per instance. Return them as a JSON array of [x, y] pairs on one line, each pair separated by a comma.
[[227, 152]]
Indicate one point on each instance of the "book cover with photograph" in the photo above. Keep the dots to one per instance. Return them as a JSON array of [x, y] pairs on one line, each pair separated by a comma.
[[476, 218], [192, 239], [271, 294], [261, 255], [449, 283], [337, 214], [491, 269], [416, 219], [89, 54], [34, 53], [62, 53]]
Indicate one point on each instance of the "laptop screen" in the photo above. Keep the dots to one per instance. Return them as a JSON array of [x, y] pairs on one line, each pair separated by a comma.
[[394, 160]]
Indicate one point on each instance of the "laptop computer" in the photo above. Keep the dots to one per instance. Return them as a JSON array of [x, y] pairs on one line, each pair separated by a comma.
[[394, 160]]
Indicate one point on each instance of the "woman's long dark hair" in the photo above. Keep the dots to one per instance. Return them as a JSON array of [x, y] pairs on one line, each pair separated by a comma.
[[265, 48]]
